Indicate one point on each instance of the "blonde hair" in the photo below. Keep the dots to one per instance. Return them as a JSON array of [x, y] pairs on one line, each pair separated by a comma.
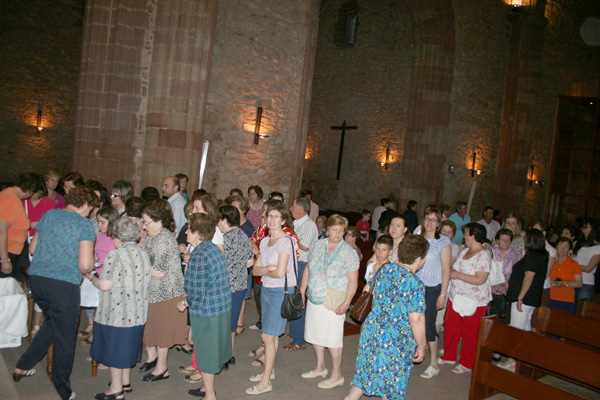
[[337, 220]]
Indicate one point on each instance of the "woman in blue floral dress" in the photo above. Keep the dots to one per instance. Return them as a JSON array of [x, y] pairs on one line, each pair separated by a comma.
[[393, 336]]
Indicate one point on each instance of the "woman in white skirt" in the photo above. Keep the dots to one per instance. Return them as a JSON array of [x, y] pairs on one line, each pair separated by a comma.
[[328, 286]]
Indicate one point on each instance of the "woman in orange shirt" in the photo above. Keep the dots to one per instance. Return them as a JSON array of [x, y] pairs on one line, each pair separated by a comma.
[[565, 276], [14, 223]]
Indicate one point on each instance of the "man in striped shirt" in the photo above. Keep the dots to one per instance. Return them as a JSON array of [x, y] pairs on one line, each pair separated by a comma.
[[306, 229]]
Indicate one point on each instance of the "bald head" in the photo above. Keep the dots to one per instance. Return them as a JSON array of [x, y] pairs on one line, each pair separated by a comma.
[[170, 186]]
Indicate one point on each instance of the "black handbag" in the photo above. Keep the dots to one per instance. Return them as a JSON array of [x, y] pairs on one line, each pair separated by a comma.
[[291, 308]]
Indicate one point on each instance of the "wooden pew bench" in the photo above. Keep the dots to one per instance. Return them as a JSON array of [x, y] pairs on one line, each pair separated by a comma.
[[588, 309], [569, 327], [559, 358]]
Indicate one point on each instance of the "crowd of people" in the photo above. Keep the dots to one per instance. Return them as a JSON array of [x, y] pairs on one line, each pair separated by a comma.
[[170, 269]]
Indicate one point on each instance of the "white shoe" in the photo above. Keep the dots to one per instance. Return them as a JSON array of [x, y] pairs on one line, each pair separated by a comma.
[[72, 396], [312, 374], [460, 369], [441, 361], [430, 372], [258, 377]]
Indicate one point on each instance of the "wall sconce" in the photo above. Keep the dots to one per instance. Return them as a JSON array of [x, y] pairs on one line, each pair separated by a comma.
[[531, 180], [387, 158], [39, 120], [257, 134], [473, 170]]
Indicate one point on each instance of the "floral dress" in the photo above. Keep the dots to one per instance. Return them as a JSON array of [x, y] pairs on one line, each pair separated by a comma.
[[387, 345]]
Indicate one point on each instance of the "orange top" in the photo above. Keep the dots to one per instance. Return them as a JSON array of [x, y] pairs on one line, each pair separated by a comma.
[[11, 210], [565, 271]]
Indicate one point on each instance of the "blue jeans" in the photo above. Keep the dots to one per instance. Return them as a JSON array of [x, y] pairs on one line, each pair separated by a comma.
[[586, 292], [297, 325]]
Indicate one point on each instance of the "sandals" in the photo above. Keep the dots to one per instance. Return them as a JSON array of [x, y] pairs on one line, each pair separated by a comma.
[[508, 366], [186, 371], [87, 341], [189, 379], [17, 376], [258, 363], [85, 333], [238, 332], [257, 353], [460, 369], [294, 347], [430, 372]]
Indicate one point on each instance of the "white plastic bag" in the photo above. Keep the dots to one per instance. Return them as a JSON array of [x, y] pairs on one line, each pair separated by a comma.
[[13, 308]]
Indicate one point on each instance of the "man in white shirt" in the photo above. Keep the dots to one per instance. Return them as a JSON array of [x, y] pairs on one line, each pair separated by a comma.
[[492, 227], [170, 189], [376, 215], [307, 232], [314, 208]]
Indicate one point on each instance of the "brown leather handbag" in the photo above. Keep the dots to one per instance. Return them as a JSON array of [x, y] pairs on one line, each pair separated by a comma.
[[362, 308]]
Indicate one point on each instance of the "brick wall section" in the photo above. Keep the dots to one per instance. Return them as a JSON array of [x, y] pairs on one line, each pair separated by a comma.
[[143, 90], [113, 90], [39, 64], [178, 89], [259, 59]]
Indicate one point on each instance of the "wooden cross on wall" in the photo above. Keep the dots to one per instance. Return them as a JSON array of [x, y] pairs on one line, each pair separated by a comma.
[[343, 129]]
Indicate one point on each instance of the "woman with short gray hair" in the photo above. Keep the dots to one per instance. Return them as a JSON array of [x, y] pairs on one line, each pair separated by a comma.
[[123, 308]]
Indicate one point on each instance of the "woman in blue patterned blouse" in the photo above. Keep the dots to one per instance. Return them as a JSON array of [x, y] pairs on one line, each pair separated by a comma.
[[209, 302], [393, 335]]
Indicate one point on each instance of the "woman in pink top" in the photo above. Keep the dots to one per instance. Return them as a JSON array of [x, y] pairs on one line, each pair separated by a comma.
[[36, 206], [104, 243], [52, 178], [257, 206]]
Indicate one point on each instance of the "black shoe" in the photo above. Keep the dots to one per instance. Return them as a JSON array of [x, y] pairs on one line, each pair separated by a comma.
[[104, 396], [147, 366], [225, 367], [231, 361], [186, 351], [197, 392], [151, 378], [126, 388]]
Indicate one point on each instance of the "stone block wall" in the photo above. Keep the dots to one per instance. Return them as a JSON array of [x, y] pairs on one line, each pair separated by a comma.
[[456, 95], [39, 66], [263, 57], [367, 85], [143, 90]]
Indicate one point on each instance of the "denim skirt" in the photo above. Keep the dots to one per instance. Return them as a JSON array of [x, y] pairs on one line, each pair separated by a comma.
[[271, 299]]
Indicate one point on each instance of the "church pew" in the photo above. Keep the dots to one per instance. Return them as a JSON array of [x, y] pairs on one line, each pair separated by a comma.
[[569, 327], [580, 366], [588, 309]]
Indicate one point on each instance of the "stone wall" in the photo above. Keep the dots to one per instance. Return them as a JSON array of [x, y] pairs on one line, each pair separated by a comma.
[[441, 118], [263, 49], [367, 85], [39, 65]]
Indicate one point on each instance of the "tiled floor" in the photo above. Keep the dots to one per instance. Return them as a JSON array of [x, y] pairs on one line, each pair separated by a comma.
[[230, 384]]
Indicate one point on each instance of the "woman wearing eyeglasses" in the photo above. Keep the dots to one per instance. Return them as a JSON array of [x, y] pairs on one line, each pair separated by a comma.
[[435, 274], [120, 192], [166, 326]]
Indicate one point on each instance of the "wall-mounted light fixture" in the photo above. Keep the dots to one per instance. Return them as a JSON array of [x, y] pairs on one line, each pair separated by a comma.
[[385, 163], [531, 176], [473, 169], [39, 119], [257, 134]]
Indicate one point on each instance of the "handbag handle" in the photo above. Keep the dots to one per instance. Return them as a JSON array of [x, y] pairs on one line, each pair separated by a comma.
[[295, 267]]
